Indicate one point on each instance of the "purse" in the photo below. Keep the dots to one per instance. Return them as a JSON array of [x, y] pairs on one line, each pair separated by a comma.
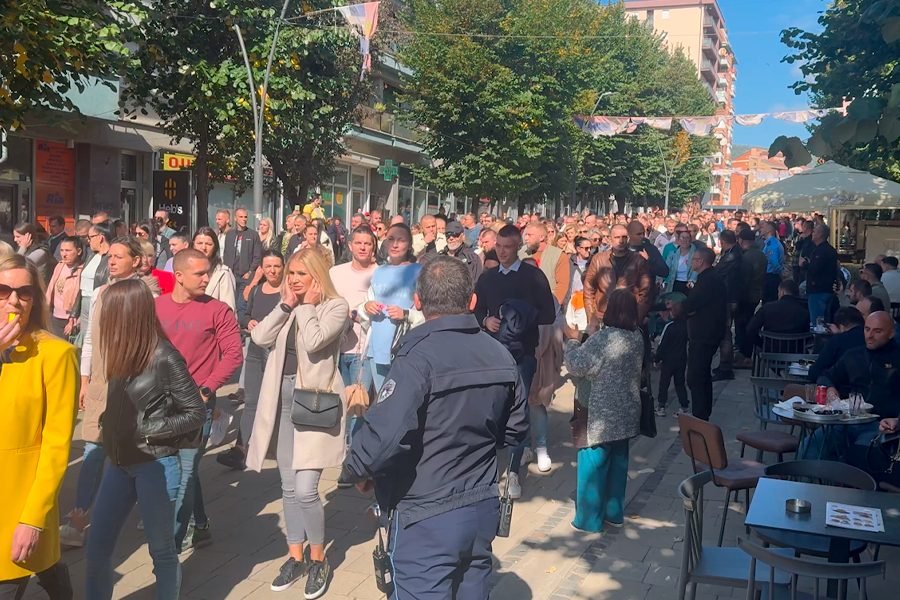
[[648, 414], [316, 409], [358, 395]]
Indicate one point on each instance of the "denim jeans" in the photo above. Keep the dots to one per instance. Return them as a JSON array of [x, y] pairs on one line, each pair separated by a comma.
[[254, 366], [354, 368], [818, 304], [154, 486], [189, 503], [537, 417], [845, 443], [379, 373], [89, 476]]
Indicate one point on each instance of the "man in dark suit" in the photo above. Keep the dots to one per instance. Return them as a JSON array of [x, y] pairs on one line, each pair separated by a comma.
[[788, 314], [242, 253], [706, 309], [848, 334], [729, 269]]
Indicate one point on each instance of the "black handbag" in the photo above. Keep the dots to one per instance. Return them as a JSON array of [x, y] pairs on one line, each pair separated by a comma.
[[317, 409], [648, 415]]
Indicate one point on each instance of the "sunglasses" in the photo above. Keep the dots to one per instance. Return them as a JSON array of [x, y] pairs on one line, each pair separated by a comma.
[[26, 292], [585, 247]]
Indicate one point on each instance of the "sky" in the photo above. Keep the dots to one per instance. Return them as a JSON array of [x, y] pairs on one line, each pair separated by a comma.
[[754, 31]]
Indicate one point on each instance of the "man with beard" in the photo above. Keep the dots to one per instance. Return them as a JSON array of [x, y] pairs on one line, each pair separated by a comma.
[[550, 259], [615, 268], [456, 247]]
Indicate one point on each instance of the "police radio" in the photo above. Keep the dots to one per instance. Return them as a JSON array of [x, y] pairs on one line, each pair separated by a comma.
[[506, 507], [384, 577]]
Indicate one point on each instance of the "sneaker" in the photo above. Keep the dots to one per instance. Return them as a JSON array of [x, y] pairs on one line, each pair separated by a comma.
[[513, 486], [723, 376], [233, 459], [684, 410], [71, 536], [317, 582], [527, 456], [616, 524], [237, 398], [289, 573], [543, 460], [202, 537], [661, 411]]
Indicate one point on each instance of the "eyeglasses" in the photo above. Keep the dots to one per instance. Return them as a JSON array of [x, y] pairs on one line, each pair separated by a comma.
[[91, 236], [26, 292], [141, 233]]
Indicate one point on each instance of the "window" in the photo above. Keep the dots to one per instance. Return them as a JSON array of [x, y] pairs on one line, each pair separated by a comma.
[[129, 167], [649, 19]]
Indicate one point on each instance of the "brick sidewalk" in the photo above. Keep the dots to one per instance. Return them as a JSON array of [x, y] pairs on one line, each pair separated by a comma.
[[544, 558]]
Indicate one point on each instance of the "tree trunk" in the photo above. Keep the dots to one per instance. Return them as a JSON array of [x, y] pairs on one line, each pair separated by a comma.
[[201, 219]]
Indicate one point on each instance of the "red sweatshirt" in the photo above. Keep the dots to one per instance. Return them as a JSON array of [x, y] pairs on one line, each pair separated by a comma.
[[207, 334]]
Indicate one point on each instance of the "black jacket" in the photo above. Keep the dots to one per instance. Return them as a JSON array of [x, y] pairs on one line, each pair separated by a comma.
[[250, 255], [706, 309], [466, 255], [835, 348], [672, 348], [452, 398], [822, 270], [154, 414], [517, 320], [101, 277], [873, 373], [658, 267], [753, 275], [789, 314], [729, 269]]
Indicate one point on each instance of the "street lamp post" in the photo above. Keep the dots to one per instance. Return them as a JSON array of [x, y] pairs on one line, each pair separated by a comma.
[[668, 174], [259, 109]]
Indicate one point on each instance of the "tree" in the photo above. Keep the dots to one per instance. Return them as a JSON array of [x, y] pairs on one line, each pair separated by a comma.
[[854, 57], [51, 46], [189, 69]]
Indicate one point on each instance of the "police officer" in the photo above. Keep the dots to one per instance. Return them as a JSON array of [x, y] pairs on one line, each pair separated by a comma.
[[452, 398]]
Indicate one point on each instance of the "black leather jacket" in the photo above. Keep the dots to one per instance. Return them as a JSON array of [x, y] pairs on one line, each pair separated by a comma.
[[153, 414]]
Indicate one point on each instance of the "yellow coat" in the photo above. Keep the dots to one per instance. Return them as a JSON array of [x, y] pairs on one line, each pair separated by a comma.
[[38, 401]]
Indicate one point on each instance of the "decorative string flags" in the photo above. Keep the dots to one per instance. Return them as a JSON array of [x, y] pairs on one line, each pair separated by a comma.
[[700, 125], [364, 20]]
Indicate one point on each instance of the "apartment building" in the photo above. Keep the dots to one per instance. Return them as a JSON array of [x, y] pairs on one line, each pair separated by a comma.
[[697, 27]]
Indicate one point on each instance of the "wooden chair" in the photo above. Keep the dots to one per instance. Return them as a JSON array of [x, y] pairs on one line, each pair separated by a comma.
[[704, 443], [710, 565], [767, 391], [822, 472], [778, 564]]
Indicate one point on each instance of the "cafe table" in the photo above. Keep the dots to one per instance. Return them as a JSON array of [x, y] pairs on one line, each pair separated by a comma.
[[767, 509], [810, 423]]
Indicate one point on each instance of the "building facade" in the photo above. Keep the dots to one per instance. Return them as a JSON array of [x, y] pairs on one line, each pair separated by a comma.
[[754, 169], [697, 27]]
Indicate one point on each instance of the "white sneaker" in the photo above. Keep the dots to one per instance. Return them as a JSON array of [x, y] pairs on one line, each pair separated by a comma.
[[543, 460], [71, 536], [512, 485]]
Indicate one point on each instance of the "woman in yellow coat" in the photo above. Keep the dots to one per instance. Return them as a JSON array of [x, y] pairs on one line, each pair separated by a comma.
[[38, 396]]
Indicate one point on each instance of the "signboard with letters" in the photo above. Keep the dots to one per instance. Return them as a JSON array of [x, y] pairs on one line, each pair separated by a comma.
[[54, 181], [176, 161], [172, 193]]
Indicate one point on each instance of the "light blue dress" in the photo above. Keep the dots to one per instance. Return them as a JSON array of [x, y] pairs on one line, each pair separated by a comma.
[[392, 285]]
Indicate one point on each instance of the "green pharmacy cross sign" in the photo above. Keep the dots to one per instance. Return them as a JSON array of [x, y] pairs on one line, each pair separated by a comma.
[[388, 170]]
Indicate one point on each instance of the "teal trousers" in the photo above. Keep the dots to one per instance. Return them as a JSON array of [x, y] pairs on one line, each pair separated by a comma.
[[600, 490]]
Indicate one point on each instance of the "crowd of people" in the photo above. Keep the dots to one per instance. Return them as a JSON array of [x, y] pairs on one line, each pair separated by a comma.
[[141, 327]]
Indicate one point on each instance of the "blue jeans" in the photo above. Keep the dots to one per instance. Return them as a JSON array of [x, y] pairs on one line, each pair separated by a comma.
[[189, 503], [818, 303], [379, 373], [839, 442], [537, 417], [154, 486], [354, 368], [600, 487], [89, 476]]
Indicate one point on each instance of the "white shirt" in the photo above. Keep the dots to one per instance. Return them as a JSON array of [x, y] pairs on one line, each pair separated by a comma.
[[513, 267], [87, 276], [891, 282]]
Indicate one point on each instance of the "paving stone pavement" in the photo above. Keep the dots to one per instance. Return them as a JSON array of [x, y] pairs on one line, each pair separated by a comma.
[[544, 557]]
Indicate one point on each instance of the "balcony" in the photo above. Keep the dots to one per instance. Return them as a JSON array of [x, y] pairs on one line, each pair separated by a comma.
[[721, 98], [721, 82], [724, 63], [709, 22], [387, 123], [710, 47]]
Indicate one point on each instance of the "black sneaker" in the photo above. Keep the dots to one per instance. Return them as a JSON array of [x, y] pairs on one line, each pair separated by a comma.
[[202, 536], [233, 459], [317, 582], [289, 573]]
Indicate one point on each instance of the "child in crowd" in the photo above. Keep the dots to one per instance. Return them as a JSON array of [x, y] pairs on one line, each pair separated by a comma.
[[671, 353]]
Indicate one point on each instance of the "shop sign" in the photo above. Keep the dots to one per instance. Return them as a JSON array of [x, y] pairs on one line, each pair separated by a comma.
[[176, 161], [172, 193], [54, 181]]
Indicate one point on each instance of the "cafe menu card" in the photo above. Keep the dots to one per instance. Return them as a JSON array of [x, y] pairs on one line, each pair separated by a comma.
[[848, 516]]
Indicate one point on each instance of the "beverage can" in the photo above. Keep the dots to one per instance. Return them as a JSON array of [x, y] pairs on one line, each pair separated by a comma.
[[821, 394]]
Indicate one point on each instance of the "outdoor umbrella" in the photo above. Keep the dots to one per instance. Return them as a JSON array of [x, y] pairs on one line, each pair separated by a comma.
[[827, 186]]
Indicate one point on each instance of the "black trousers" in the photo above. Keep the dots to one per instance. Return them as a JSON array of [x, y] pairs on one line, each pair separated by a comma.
[[55, 581], [742, 316], [668, 372], [726, 346], [770, 287], [699, 377]]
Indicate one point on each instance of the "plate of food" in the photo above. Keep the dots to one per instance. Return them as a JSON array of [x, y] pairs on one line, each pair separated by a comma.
[[818, 412]]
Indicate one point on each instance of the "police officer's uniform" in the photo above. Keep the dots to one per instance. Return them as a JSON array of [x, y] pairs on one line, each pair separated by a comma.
[[452, 398]]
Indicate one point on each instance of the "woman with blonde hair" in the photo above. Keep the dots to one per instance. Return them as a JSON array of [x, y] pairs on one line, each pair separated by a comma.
[[39, 390], [153, 409], [303, 335], [266, 230]]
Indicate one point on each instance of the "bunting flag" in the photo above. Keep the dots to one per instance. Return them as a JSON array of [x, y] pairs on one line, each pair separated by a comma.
[[701, 125], [364, 20]]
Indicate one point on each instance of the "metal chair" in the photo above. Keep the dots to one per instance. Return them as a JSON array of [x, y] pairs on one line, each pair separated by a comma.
[[786, 343], [705, 564], [778, 564], [822, 472], [767, 391], [778, 365], [704, 443]]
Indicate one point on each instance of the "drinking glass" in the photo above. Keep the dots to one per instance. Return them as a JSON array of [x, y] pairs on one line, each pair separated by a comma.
[[855, 401], [820, 323], [809, 393]]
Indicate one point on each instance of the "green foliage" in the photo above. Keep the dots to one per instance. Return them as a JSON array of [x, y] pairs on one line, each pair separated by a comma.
[[50, 46], [496, 99], [855, 57]]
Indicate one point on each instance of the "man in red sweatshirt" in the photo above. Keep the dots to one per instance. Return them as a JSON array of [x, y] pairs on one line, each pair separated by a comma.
[[206, 333]]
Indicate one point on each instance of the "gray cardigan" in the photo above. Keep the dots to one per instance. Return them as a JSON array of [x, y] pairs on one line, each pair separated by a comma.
[[611, 361]]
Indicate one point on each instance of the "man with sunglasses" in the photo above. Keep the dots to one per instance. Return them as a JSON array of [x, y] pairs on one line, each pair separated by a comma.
[[457, 248]]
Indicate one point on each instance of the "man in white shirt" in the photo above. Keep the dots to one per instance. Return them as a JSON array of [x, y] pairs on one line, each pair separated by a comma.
[[890, 278]]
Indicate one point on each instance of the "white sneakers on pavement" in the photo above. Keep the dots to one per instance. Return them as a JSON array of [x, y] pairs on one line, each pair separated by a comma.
[[513, 486], [544, 463], [71, 537]]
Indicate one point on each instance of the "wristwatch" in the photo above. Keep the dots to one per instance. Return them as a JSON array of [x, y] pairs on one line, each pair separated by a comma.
[[286, 308], [207, 393]]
